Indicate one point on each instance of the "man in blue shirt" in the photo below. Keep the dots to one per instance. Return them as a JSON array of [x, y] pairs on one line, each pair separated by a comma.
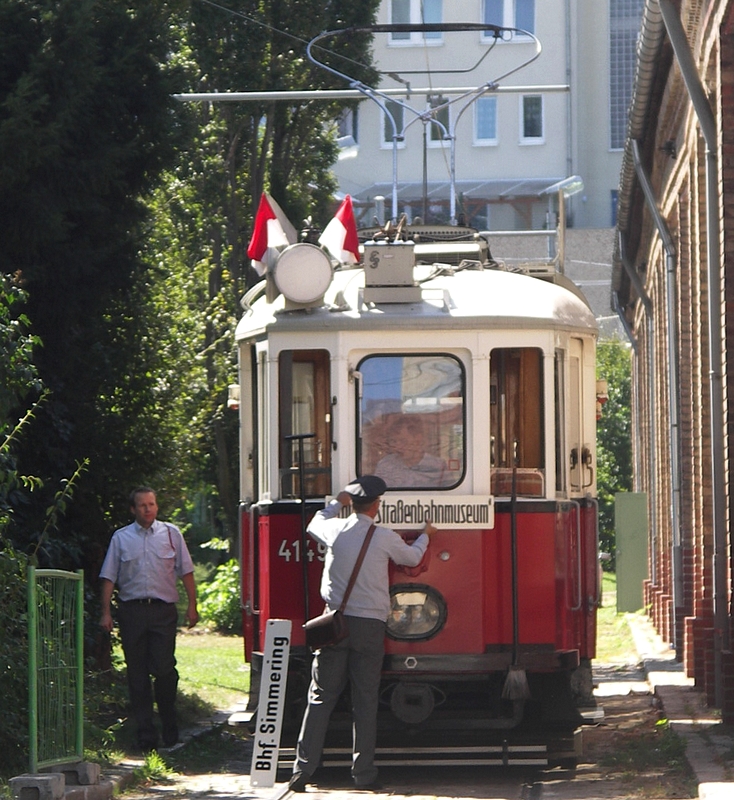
[[144, 560]]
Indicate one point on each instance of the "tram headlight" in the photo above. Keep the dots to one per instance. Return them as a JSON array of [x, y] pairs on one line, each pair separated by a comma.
[[416, 612]]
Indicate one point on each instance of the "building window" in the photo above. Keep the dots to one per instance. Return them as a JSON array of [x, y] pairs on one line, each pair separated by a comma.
[[510, 14], [485, 120], [348, 127], [396, 113], [531, 109], [411, 429], [624, 28], [413, 12], [439, 130]]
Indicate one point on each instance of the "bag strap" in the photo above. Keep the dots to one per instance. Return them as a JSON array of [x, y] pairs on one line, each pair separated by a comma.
[[170, 540], [357, 566]]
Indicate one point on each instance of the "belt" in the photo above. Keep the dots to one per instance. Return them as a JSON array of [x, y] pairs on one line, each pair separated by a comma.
[[146, 600]]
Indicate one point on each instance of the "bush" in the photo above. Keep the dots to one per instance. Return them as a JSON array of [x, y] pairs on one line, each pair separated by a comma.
[[219, 600], [614, 438], [13, 661]]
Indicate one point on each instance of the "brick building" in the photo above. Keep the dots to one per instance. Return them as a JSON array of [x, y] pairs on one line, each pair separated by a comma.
[[673, 278]]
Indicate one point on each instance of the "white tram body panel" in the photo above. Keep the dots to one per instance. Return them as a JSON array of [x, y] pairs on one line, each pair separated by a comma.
[[467, 314]]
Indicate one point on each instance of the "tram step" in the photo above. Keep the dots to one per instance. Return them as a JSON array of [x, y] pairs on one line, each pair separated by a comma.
[[485, 755]]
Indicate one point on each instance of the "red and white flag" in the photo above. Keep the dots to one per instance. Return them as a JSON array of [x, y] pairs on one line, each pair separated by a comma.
[[340, 235], [271, 231]]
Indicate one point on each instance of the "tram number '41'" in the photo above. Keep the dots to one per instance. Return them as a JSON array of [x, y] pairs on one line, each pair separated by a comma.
[[292, 550]]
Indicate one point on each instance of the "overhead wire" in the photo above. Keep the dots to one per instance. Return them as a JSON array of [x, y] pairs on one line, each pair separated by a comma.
[[286, 34]]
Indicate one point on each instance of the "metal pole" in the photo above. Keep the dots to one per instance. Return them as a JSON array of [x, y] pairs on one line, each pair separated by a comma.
[[354, 94], [299, 437], [80, 664], [32, 672]]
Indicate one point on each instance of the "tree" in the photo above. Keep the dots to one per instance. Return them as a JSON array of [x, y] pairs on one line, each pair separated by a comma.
[[86, 126], [614, 439]]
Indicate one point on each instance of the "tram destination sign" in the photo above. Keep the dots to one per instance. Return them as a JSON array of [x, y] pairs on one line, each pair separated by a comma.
[[406, 511]]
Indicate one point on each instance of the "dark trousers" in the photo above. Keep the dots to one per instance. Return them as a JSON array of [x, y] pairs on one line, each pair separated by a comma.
[[148, 634], [358, 660]]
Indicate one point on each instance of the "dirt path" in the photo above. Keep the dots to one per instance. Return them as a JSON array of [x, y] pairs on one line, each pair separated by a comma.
[[626, 756]]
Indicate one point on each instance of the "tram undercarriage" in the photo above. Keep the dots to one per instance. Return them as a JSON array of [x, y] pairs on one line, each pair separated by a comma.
[[454, 720]]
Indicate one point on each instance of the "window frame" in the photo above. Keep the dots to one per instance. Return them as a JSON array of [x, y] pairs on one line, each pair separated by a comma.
[[445, 118], [479, 140], [385, 125], [359, 427], [318, 478], [509, 20], [524, 138], [414, 38], [347, 126], [518, 429]]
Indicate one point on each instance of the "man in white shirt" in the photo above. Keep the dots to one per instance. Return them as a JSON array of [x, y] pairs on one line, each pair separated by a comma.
[[144, 560], [358, 658]]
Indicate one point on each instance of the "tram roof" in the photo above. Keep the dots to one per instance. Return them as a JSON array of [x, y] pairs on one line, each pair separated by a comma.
[[473, 299]]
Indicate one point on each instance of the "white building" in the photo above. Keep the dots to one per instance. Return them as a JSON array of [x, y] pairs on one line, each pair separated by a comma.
[[515, 141]]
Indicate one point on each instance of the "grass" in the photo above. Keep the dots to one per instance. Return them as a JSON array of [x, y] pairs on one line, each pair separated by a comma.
[[614, 643], [653, 762], [213, 667], [213, 677], [659, 749]]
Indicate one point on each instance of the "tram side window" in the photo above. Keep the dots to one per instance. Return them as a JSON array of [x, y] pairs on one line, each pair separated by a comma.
[[304, 407], [516, 422], [411, 420]]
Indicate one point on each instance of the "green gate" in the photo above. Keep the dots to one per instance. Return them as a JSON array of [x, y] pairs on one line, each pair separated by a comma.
[[55, 666]]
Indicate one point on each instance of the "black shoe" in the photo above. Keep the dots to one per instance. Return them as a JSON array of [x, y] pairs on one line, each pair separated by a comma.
[[298, 782], [373, 786], [170, 737]]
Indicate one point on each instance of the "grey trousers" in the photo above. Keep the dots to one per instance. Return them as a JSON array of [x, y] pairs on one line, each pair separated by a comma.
[[357, 659]]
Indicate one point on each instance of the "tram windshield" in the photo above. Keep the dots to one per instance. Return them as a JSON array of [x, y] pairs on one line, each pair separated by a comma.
[[411, 420]]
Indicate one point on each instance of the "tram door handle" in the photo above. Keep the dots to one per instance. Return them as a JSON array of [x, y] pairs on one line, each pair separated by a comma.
[[574, 463], [586, 461]]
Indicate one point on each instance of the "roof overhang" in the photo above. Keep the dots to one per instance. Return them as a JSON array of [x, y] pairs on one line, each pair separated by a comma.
[[488, 191]]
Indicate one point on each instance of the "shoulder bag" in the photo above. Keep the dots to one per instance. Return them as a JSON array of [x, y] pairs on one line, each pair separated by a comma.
[[331, 627]]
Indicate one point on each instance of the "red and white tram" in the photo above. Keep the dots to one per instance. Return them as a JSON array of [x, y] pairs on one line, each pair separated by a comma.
[[471, 388], [491, 375]]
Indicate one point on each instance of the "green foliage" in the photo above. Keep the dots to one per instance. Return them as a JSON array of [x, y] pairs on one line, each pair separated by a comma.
[[14, 604], [13, 660], [219, 601], [154, 768], [614, 438], [660, 748], [18, 374]]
